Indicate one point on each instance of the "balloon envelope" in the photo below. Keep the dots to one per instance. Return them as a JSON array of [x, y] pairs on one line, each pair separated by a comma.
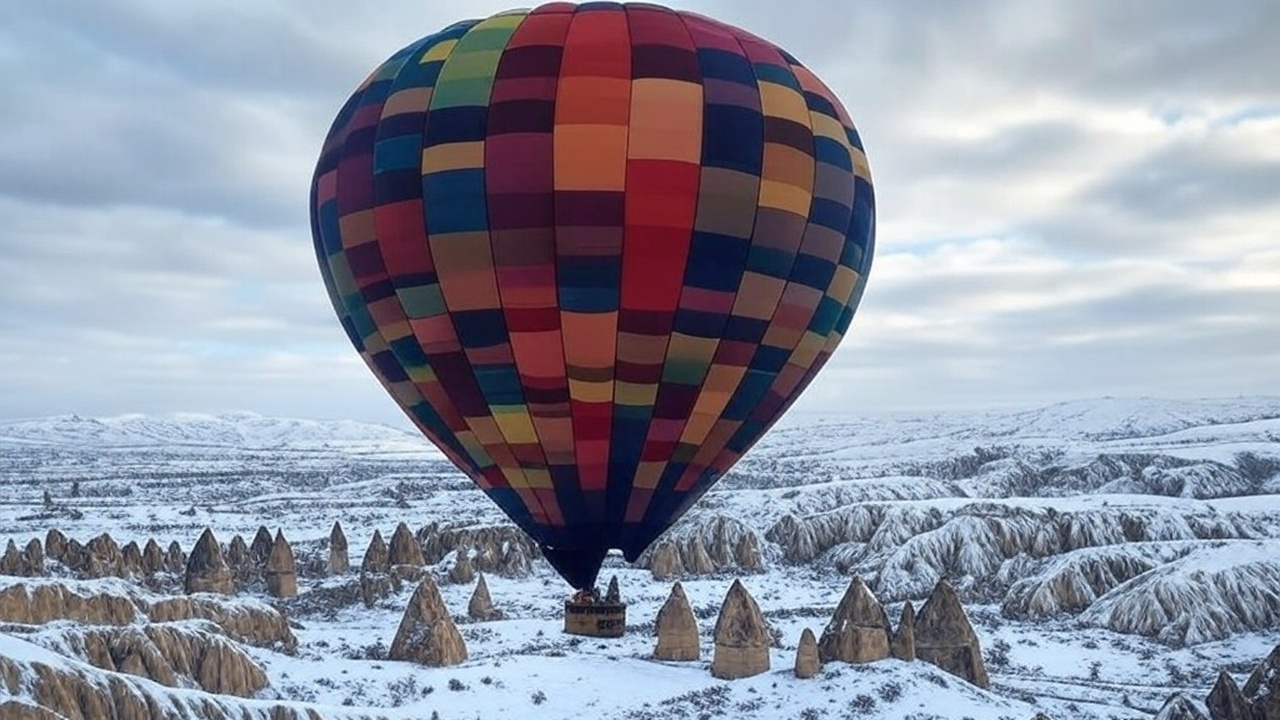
[[594, 251]]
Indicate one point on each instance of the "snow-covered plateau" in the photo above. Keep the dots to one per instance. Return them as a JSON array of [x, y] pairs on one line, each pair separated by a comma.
[[1108, 552]]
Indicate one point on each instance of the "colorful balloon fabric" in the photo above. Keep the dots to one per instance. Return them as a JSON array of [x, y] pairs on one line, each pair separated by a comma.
[[594, 251]]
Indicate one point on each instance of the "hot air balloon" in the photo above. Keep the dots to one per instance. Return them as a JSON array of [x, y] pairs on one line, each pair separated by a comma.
[[594, 252]]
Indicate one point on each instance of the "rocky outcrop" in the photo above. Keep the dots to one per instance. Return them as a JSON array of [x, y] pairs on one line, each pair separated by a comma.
[[11, 562], [503, 550], [1226, 702], [742, 637], [376, 557], [176, 655], [248, 621], [33, 558], [152, 558], [461, 573], [404, 548], [808, 660], [480, 606], [677, 629], [859, 630], [55, 687], [613, 594], [1180, 707], [207, 571], [339, 563], [281, 572], [260, 548], [131, 560], [239, 560], [945, 637], [1208, 595], [37, 603], [427, 635], [55, 544], [1262, 689], [903, 643], [704, 545], [175, 560], [102, 558]]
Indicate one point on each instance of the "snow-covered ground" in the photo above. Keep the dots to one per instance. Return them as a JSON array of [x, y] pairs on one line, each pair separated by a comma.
[[1109, 552]]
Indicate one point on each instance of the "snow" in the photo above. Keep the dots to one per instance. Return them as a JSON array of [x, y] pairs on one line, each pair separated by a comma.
[[1126, 535]]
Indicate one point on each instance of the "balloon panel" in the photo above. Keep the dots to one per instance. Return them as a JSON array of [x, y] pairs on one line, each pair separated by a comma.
[[594, 252]]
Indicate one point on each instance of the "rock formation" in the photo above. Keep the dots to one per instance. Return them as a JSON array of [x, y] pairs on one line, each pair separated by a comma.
[[55, 687], [102, 558], [206, 569], [339, 563], [677, 629], [33, 558], [481, 605], [377, 556], [131, 560], [859, 630], [427, 635], [171, 654], [808, 660], [504, 549], [11, 561], [404, 548], [39, 603], [613, 594], [747, 553], [238, 555], [1262, 689], [945, 637], [55, 544], [665, 563], [152, 558], [281, 572], [461, 573], [1178, 707], [903, 643], [1226, 702], [741, 637], [175, 561], [260, 548]]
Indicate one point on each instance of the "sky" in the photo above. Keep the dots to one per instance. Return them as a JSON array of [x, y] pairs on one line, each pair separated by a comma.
[[1075, 199]]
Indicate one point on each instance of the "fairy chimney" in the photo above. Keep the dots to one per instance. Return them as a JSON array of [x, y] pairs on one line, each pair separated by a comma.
[[237, 555], [945, 637], [695, 559], [665, 562], [747, 553], [55, 544], [207, 571], [741, 637], [1226, 702], [404, 548], [131, 560], [152, 557], [903, 644], [1262, 689], [1177, 707], [11, 561], [33, 558], [174, 559], [427, 635], [859, 629], [808, 662], [102, 557], [677, 629], [375, 558], [282, 572], [461, 573], [338, 563], [613, 594], [260, 548], [481, 605]]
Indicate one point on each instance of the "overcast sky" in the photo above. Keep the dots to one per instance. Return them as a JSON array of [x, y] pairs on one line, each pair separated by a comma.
[[1076, 199]]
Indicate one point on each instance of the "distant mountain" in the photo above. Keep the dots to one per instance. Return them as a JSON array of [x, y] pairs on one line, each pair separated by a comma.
[[240, 431]]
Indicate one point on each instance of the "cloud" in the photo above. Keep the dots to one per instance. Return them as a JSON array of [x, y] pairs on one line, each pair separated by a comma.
[[1074, 199]]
